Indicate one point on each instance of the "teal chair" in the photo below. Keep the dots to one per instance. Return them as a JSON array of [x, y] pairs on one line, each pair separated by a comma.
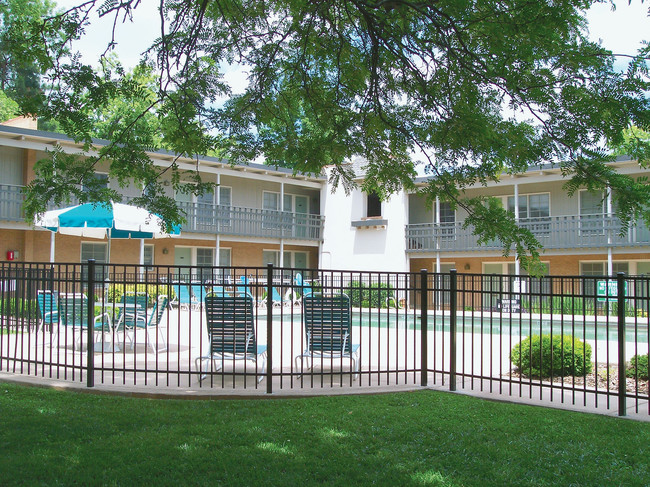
[[48, 309], [231, 330], [133, 312], [245, 289], [74, 317], [152, 324], [328, 330]]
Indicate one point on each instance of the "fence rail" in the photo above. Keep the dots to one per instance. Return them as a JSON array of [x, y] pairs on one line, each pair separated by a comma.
[[149, 327]]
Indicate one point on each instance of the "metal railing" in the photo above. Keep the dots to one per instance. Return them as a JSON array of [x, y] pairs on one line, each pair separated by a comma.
[[207, 218], [251, 222], [561, 232], [454, 331]]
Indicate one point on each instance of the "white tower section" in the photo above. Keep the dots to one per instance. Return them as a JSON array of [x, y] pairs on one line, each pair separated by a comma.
[[352, 240]]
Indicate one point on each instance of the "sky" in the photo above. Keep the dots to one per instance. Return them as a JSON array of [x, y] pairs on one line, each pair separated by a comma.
[[621, 31]]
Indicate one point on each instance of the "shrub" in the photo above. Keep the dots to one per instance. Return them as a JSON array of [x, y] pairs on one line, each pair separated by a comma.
[[565, 355], [638, 367], [115, 292], [19, 308], [373, 296]]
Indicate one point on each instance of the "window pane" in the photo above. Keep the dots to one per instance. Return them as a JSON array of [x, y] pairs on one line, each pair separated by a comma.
[[592, 268], [205, 257], [270, 257], [270, 200], [95, 251], [591, 203], [447, 215], [538, 206], [225, 196], [224, 257], [374, 205], [100, 179], [288, 202], [148, 255]]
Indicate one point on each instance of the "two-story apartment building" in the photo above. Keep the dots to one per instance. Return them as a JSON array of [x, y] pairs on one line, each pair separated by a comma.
[[261, 214], [257, 214]]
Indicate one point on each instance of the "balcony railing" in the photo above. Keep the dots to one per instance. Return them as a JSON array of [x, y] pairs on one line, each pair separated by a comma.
[[563, 232], [251, 222], [206, 218]]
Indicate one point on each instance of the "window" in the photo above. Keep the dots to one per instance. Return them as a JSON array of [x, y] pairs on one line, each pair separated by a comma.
[[373, 208], [447, 221], [96, 181], [270, 201], [98, 252], [11, 166], [95, 251], [205, 262], [224, 212], [148, 256], [531, 205], [592, 213]]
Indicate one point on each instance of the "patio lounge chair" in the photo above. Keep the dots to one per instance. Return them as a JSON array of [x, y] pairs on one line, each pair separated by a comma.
[[231, 331], [276, 299], [132, 311], [48, 309], [304, 288], [245, 289], [328, 328], [219, 291], [184, 299], [196, 300], [74, 316], [152, 326]]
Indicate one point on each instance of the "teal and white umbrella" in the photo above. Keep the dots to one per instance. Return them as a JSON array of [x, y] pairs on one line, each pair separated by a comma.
[[110, 220]]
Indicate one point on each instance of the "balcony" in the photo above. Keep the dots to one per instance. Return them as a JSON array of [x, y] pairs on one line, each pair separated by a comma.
[[204, 218], [562, 232], [251, 222]]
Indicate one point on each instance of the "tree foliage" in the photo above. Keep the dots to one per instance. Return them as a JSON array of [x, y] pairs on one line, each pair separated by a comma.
[[8, 107], [470, 89]]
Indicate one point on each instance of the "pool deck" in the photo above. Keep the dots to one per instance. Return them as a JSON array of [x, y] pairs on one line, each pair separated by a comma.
[[389, 364]]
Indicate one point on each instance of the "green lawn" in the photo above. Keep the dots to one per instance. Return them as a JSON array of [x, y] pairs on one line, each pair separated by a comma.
[[50, 437]]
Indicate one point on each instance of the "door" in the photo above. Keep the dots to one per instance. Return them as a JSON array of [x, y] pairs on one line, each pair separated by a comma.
[[183, 259]]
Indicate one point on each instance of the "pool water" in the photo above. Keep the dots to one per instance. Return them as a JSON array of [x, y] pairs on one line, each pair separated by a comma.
[[582, 327]]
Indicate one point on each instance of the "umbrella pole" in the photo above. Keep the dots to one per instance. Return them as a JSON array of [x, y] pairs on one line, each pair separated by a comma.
[[141, 257], [52, 247]]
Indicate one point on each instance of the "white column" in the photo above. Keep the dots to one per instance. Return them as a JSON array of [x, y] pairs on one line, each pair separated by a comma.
[[517, 268], [610, 263], [281, 259], [436, 221], [217, 196], [52, 248]]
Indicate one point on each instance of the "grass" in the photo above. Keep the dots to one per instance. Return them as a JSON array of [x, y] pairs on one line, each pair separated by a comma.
[[424, 438]]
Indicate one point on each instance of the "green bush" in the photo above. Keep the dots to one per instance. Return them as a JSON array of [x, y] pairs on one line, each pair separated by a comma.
[[115, 292], [638, 365], [373, 296], [19, 308], [536, 357]]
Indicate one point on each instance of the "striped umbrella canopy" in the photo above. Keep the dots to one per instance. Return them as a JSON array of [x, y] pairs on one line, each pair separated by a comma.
[[99, 220]]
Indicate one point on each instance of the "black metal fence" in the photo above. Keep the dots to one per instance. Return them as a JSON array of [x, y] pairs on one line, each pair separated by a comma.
[[269, 329]]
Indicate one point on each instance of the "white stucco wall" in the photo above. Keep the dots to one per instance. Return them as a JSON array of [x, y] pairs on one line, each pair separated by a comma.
[[364, 249]]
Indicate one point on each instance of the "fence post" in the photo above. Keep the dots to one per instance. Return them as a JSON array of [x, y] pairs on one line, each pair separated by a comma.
[[269, 328], [90, 366], [453, 298], [424, 327], [622, 382]]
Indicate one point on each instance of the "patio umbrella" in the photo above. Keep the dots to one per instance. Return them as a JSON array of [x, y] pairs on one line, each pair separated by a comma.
[[99, 220]]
